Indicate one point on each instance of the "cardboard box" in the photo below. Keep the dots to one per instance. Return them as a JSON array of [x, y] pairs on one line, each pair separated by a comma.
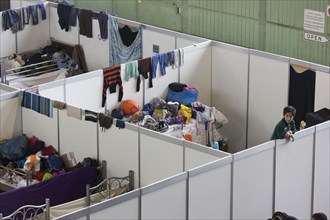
[[69, 160]]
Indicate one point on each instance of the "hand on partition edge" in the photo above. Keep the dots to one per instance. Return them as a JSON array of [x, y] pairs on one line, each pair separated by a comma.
[[289, 136]]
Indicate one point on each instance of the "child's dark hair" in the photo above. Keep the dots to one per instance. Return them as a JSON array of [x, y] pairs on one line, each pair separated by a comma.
[[289, 109], [319, 216]]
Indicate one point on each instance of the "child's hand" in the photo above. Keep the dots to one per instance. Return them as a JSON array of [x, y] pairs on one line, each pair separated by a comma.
[[289, 136]]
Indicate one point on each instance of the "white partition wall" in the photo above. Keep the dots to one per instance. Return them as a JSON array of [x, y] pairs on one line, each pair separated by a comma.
[[120, 148], [70, 37], [268, 95], [166, 199], [161, 156], [196, 71], [122, 207], [41, 126], [210, 190], [54, 90], [78, 136], [321, 199], [322, 90], [85, 90], [10, 115], [96, 50], [196, 155], [253, 172], [8, 41], [294, 174], [15, 4], [230, 66], [34, 37], [152, 36]]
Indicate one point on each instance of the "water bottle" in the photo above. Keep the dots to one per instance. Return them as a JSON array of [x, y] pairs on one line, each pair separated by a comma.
[[216, 145]]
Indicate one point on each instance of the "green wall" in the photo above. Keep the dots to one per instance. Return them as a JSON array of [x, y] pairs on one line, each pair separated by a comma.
[[274, 26]]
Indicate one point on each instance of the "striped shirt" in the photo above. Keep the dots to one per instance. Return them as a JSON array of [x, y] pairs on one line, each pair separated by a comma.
[[111, 77]]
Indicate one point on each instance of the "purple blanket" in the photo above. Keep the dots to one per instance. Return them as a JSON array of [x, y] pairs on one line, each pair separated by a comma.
[[60, 189]]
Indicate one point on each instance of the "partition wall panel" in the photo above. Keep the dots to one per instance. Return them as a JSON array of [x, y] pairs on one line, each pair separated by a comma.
[[321, 199], [161, 156], [196, 71], [85, 90], [78, 136], [43, 127], [121, 207], [155, 37], [10, 118], [56, 33], [210, 190], [253, 176], [166, 199], [120, 148], [54, 90], [268, 95], [8, 42], [294, 174], [230, 66]]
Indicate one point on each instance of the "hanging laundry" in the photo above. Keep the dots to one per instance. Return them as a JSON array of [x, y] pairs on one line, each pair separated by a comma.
[[127, 35], [26, 100], [90, 116], [102, 17], [26, 15], [73, 16], [74, 112], [43, 11], [105, 121], [9, 18], [112, 78], [59, 105], [154, 64], [144, 69], [162, 63], [64, 12], [85, 23], [119, 52], [46, 106], [132, 70], [34, 13]]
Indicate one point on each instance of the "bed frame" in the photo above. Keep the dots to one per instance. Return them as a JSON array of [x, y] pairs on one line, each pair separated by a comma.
[[8, 183], [109, 188], [30, 212]]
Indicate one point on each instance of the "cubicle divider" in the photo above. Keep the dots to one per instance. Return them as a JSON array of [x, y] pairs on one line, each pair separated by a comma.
[[197, 69], [10, 112], [120, 148], [253, 182], [294, 174], [166, 199], [230, 68], [321, 189], [209, 190]]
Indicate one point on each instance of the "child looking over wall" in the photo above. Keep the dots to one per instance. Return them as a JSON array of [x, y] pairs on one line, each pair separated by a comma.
[[286, 127]]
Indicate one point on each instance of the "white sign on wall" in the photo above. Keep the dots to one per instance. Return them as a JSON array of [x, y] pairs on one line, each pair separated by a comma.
[[314, 20], [315, 37]]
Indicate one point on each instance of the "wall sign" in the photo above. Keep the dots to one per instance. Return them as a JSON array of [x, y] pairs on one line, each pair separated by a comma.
[[314, 20], [315, 37]]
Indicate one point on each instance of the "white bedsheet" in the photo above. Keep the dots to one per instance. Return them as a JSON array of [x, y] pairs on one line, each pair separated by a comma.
[[23, 82]]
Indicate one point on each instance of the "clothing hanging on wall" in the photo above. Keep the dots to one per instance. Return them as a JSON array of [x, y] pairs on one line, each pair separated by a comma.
[[112, 78], [127, 35], [85, 23], [301, 92], [119, 52]]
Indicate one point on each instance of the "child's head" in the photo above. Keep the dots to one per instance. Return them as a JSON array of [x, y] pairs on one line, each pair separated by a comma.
[[319, 216], [288, 113]]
